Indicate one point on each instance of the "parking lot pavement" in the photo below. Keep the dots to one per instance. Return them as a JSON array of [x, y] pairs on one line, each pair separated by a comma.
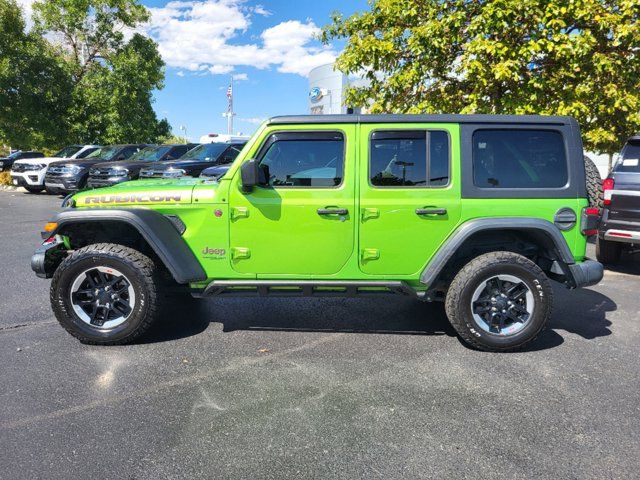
[[322, 388]]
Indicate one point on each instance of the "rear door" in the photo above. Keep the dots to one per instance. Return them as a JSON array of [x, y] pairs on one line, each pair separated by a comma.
[[409, 194]]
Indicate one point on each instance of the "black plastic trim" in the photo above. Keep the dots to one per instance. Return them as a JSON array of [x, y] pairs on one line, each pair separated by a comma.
[[451, 118], [586, 273], [155, 228], [463, 232]]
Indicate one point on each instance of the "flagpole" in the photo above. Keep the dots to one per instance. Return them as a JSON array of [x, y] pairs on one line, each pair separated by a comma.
[[230, 108]]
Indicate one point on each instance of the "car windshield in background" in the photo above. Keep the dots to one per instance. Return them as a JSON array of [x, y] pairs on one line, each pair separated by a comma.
[[67, 151], [630, 158], [150, 154], [104, 153], [205, 153], [14, 155]]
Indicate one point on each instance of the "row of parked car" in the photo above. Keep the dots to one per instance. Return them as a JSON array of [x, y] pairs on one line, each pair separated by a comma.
[[79, 167]]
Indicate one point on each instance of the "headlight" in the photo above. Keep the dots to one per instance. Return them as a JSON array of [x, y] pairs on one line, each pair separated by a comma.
[[69, 170], [35, 166], [173, 173], [145, 173], [119, 172]]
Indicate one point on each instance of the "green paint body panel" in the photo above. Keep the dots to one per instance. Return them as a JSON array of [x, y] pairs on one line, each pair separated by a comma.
[[276, 233]]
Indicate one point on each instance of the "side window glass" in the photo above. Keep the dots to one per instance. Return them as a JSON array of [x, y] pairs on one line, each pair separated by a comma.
[[524, 158], [305, 160], [409, 158], [230, 154]]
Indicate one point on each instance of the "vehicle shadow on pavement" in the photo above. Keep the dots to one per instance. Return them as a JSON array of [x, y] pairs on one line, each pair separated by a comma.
[[381, 316], [582, 312]]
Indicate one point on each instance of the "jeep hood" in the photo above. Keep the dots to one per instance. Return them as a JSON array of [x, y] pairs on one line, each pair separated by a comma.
[[139, 193]]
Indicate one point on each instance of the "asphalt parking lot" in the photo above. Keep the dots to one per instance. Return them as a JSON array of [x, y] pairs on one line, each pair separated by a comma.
[[322, 388]]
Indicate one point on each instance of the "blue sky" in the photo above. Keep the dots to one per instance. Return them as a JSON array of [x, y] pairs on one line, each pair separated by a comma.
[[267, 45]]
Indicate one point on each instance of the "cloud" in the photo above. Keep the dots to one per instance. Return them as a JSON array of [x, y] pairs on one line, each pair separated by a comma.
[[240, 77], [260, 10], [207, 35]]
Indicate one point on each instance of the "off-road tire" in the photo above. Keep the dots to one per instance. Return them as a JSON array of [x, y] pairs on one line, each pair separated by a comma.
[[608, 252], [31, 189], [139, 269], [478, 270], [594, 184]]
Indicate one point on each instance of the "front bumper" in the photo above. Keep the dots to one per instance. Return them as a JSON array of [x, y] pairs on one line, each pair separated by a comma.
[[66, 184], [47, 257], [33, 178], [586, 273]]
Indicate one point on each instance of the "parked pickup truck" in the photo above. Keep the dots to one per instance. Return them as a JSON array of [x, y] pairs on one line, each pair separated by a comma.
[[481, 212]]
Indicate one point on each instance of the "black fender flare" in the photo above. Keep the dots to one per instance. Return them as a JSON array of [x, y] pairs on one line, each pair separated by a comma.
[[157, 230], [543, 228]]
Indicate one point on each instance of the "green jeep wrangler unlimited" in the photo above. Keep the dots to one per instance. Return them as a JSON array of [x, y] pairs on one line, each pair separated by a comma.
[[478, 211]]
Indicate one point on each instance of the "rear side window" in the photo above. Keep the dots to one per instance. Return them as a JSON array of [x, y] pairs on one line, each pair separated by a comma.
[[629, 159], [524, 158], [310, 159], [409, 158]]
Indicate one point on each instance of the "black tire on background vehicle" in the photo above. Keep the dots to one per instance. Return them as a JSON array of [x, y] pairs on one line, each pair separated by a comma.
[[608, 252], [52, 191], [499, 301], [32, 189], [594, 183], [106, 294]]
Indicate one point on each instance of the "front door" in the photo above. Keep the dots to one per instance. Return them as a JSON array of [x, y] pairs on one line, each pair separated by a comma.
[[302, 221], [409, 195]]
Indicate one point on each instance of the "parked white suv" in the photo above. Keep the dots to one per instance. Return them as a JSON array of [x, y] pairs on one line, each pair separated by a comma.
[[29, 173]]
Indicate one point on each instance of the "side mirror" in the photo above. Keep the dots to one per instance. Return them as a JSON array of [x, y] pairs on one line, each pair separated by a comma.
[[250, 175]]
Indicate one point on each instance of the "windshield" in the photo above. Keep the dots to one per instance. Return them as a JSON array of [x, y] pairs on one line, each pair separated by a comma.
[[630, 158], [104, 153], [150, 154], [67, 152], [14, 154], [208, 152]]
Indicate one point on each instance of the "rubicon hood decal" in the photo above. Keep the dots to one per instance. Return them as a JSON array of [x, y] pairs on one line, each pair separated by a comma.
[[153, 197]]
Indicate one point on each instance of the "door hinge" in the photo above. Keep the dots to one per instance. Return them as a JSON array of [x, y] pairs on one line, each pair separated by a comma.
[[368, 213], [239, 212], [370, 254], [239, 253]]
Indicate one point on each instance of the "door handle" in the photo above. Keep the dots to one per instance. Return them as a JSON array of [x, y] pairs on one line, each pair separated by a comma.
[[431, 211], [333, 211]]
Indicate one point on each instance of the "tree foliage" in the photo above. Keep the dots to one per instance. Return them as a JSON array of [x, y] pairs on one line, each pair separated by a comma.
[[81, 75], [563, 57], [34, 86]]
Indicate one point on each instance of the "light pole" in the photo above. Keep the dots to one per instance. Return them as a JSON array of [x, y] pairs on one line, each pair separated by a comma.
[[184, 130]]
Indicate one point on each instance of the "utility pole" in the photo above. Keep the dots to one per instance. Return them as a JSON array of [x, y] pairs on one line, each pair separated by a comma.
[[184, 131], [229, 113]]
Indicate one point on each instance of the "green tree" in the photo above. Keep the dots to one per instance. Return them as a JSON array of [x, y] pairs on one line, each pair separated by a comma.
[[578, 58], [113, 74], [34, 86]]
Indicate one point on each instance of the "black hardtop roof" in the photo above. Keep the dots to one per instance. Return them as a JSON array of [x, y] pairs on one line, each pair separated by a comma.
[[634, 138], [436, 118]]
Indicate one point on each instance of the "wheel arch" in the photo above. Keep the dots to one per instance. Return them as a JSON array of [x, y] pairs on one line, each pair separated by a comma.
[[522, 231], [161, 235]]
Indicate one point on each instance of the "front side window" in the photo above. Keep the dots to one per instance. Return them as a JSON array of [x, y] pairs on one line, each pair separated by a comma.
[[313, 159], [409, 158], [524, 158]]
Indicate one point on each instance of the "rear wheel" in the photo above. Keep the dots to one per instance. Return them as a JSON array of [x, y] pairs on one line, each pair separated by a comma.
[[607, 251], [499, 301], [106, 294], [33, 189]]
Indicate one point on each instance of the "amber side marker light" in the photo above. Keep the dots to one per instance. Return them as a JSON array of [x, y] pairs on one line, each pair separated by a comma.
[[50, 226]]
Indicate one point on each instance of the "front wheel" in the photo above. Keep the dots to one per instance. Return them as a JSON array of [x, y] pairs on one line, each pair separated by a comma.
[[499, 301], [106, 294]]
